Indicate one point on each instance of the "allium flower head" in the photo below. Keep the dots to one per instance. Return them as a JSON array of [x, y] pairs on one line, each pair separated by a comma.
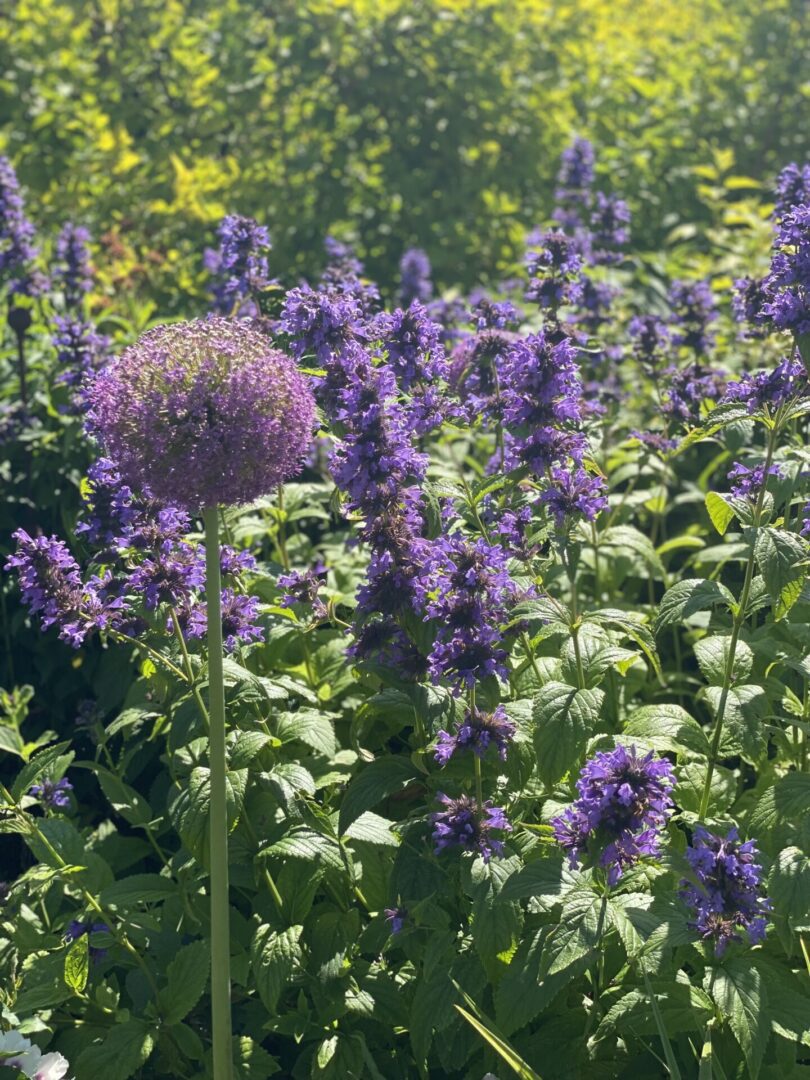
[[477, 732], [727, 897], [203, 413], [622, 807], [465, 824]]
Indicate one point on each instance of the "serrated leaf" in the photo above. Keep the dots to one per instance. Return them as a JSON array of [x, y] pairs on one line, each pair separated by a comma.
[[682, 1008], [188, 978], [310, 728], [782, 560], [789, 885], [739, 993], [523, 992], [77, 964], [137, 889], [372, 784], [373, 829], [582, 922], [667, 728], [712, 657], [743, 729], [274, 956], [544, 878], [688, 597], [788, 799], [564, 718], [305, 843], [247, 745], [720, 512], [190, 810], [125, 1049]]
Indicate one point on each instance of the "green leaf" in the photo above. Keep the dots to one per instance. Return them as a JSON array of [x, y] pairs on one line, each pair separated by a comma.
[[739, 993], [190, 810], [789, 885], [247, 745], [564, 719], [720, 512], [501, 1047], [124, 800], [310, 728], [137, 889], [578, 931], [712, 657], [524, 992], [633, 626], [743, 729], [542, 878], [125, 1048], [305, 843], [689, 789], [49, 761], [667, 728], [274, 956], [251, 1061], [720, 417], [688, 597], [373, 829], [782, 560], [682, 1008], [378, 779], [788, 799], [624, 538], [77, 964], [188, 978]]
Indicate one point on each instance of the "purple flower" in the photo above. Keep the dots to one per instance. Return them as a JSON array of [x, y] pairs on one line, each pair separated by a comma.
[[412, 342], [543, 395], [239, 266], [324, 323], [203, 413], [489, 314], [748, 302], [382, 641], [396, 919], [53, 794], [239, 620], [650, 341], [805, 531], [463, 823], [574, 493], [464, 586], [769, 389], [693, 311], [234, 562], [476, 372], [621, 810], [609, 220], [344, 273], [688, 388], [109, 511], [788, 282], [415, 283], [655, 440], [726, 897], [79, 349], [574, 182], [792, 189], [303, 587], [594, 304], [168, 577], [747, 483], [477, 732], [554, 270], [73, 269], [76, 929], [449, 313], [17, 248], [52, 587]]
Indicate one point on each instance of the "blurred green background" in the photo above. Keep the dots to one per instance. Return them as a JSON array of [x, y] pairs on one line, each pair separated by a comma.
[[389, 122]]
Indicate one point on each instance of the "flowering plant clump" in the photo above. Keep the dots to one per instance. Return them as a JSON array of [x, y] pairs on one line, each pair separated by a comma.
[[202, 413], [471, 698]]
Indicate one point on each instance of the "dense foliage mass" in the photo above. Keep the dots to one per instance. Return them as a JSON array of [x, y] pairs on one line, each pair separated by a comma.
[[429, 123], [517, 667]]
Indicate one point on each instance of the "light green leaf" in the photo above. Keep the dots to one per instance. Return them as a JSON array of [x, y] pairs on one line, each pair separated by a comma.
[[123, 1050], [688, 597], [188, 978], [77, 964], [739, 992], [564, 719], [274, 956]]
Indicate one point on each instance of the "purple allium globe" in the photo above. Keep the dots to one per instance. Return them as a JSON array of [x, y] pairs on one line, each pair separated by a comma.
[[203, 413]]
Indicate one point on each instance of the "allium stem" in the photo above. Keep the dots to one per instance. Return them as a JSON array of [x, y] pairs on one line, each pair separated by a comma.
[[218, 822], [737, 625]]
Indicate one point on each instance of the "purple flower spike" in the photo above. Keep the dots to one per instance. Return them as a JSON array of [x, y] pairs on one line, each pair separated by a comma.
[[477, 732], [239, 267], [726, 898], [464, 824], [622, 808], [53, 794]]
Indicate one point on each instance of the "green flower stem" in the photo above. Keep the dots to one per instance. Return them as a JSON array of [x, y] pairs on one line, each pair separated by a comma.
[[218, 813], [181, 640], [31, 827], [153, 654], [737, 625]]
